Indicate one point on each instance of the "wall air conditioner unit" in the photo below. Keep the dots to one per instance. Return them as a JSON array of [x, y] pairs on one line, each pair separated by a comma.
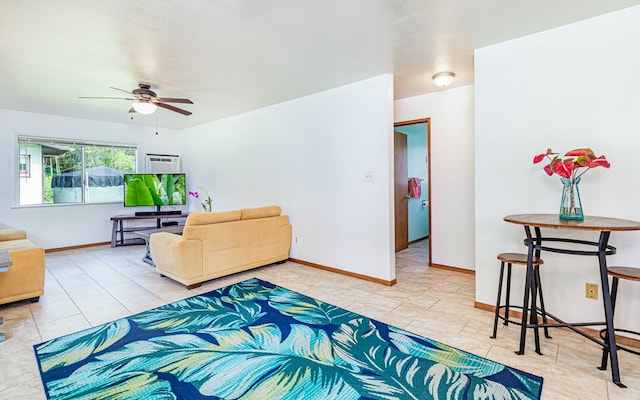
[[163, 164]]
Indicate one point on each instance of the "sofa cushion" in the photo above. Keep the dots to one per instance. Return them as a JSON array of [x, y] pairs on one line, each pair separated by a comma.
[[260, 212], [206, 218], [16, 245]]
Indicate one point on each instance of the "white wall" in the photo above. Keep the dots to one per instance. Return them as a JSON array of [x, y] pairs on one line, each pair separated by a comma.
[[68, 225], [309, 156], [574, 86], [452, 177]]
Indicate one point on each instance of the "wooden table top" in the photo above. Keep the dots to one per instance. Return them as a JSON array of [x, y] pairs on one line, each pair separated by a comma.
[[588, 224]]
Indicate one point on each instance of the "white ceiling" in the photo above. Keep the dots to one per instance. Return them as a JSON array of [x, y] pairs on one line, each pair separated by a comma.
[[232, 56]]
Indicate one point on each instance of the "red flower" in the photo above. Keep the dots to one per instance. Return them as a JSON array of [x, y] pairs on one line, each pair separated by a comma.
[[580, 153], [538, 158], [541, 157], [599, 162], [562, 168], [569, 167]]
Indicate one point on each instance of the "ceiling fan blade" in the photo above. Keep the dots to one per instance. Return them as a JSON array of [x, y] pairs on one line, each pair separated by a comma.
[[113, 98], [172, 100], [122, 90], [172, 108]]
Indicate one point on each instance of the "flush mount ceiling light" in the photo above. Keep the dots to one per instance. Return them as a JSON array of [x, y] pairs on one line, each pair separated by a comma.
[[443, 79], [144, 107]]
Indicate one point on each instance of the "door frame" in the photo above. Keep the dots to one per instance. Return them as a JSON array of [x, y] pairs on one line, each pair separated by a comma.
[[421, 121], [400, 190]]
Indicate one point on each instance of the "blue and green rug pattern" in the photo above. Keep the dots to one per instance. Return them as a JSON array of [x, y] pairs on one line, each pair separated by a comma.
[[255, 340]]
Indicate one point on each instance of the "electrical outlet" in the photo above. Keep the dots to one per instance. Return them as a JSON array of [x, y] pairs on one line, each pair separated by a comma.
[[368, 176], [297, 240], [591, 291]]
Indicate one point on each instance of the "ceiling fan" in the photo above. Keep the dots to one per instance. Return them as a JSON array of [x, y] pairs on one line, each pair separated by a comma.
[[146, 100]]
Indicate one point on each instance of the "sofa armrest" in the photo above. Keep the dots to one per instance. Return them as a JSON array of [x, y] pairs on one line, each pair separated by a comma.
[[176, 256], [284, 240], [12, 234], [24, 278]]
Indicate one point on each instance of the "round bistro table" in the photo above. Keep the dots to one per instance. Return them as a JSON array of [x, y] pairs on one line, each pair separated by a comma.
[[536, 243]]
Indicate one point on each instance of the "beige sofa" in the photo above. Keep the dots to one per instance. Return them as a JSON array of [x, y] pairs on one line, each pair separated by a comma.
[[215, 244], [25, 277]]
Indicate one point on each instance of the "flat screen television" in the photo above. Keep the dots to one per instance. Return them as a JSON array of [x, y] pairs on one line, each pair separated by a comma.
[[154, 190]]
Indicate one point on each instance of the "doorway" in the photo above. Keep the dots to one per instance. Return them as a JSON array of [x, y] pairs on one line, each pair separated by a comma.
[[412, 159]]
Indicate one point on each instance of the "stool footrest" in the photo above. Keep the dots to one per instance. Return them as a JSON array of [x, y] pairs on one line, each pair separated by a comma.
[[627, 349], [519, 321]]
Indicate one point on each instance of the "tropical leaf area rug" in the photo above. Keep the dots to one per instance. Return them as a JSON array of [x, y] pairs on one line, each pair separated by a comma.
[[255, 340]]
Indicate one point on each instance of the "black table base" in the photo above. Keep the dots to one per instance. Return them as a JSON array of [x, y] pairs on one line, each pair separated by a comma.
[[536, 244]]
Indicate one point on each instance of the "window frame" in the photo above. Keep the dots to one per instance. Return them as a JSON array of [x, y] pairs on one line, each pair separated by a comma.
[[42, 140]]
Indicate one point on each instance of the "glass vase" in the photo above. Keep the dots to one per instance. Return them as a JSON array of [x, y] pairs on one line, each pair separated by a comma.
[[571, 206]]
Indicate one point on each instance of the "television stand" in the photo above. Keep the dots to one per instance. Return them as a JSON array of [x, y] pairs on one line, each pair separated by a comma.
[[119, 229]]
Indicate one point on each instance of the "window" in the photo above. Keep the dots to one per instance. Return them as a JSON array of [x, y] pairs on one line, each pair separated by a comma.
[[53, 171]]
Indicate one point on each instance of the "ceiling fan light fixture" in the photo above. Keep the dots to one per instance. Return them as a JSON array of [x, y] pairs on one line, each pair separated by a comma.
[[443, 79], [144, 107]]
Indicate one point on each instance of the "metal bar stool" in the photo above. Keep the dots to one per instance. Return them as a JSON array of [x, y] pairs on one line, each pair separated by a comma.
[[518, 259], [631, 274]]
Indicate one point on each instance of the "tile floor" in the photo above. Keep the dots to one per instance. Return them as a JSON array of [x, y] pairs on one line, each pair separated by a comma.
[[90, 286]]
